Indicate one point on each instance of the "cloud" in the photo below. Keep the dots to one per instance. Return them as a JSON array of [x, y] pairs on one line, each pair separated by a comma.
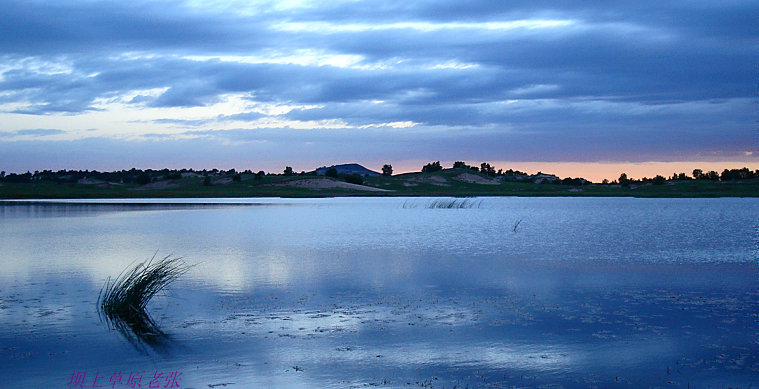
[[41, 28], [592, 74], [38, 132]]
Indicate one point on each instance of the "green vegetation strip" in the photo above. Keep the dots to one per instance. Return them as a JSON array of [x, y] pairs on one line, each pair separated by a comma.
[[458, 182]]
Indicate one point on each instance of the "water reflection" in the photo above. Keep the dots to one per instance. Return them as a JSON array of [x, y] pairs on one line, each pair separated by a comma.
[[47, 209], [365, 292], [140, 330]]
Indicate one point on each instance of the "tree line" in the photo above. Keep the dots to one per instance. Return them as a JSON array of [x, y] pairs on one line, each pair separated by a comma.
[[146, 176], [131, 176], [697, 174], [485, 168]]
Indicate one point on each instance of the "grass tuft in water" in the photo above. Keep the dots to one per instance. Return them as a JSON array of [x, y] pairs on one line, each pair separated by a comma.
[[454, 204], [516, 225], [123, 301], [445, 204], [129, 293]]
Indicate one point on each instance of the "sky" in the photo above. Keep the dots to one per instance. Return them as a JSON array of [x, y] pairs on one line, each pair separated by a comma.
[[580, 88]]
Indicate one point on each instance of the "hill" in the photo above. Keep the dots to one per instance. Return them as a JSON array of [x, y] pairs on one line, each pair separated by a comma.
[[348, 168]]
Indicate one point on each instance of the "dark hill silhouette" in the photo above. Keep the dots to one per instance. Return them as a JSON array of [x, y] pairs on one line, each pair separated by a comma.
[[348, 168]]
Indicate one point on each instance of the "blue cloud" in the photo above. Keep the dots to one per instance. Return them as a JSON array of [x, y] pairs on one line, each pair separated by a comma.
[[638, 73], [37, 132]]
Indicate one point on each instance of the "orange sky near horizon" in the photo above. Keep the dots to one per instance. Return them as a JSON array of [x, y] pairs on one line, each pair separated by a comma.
[[597, 171]]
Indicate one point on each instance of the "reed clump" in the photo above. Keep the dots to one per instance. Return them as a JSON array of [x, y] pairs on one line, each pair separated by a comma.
[[454, 204], [444, 203], [126, 297]]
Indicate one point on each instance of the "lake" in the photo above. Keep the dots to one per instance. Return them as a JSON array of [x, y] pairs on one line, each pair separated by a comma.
[[388, 292]]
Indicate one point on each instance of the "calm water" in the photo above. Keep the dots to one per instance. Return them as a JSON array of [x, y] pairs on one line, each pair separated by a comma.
[[363, 292]]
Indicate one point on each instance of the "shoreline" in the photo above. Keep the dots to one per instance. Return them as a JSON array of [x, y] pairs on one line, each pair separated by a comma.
[[443, 184]]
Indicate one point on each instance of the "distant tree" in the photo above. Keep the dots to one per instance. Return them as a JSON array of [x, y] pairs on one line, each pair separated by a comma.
[[260, 175], [143, 179], [432, 167], [572, 181], [2, 174], [736, 174], [207, 181], [460, 165], [288, 171], [387, 170], [659, 180], [605, 182], [487, 169], [623, 180], [354, 179], [13, 177], [331, 172], [712, 175]]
